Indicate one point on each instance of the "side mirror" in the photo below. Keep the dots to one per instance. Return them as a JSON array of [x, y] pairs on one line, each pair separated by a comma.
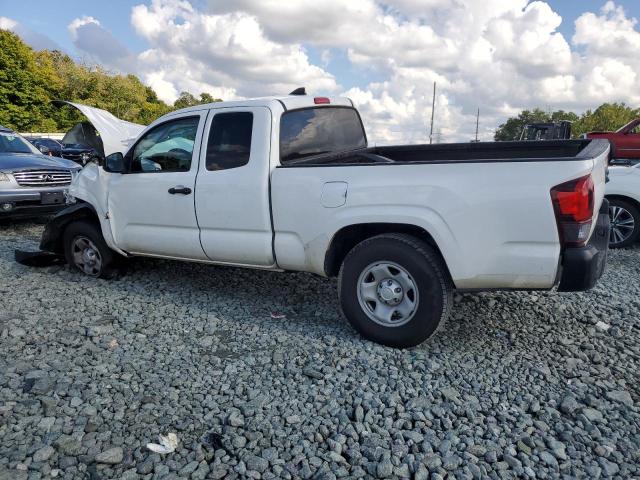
[[114, 163], [44, 149]]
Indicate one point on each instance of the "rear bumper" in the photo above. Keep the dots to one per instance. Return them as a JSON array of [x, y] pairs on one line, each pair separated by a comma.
[[583, 266]]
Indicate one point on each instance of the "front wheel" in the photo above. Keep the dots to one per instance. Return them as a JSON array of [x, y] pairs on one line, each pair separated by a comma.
[[625, 223], [86, 250], [394, 289]]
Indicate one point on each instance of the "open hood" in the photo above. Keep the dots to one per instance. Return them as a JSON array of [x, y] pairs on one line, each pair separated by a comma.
[[116, 134]]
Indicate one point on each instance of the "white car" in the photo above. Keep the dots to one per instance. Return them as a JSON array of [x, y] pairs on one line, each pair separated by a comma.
[[623, 193], [289, 183]]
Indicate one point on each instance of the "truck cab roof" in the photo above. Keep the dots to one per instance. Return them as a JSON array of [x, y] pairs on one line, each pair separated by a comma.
[[286, 102]]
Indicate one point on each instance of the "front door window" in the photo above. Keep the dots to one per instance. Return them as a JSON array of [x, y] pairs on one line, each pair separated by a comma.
[[167, 147]]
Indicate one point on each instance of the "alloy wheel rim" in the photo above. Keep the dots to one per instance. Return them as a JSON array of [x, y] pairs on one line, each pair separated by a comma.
[[86, 256], [622, 224], [388, 294]]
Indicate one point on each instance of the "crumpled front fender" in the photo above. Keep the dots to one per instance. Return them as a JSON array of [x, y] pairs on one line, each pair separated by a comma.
[[51, 240]]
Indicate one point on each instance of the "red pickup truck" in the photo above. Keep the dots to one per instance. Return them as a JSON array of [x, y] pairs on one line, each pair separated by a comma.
[[625, 142]]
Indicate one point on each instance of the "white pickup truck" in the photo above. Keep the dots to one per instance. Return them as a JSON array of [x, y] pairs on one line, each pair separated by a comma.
[[289, 183]]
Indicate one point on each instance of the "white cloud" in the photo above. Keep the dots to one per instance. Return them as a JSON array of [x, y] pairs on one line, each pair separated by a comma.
[[498, 55], [7, 23], [224, 54], [609, 67], [100, 45], [34, 39]]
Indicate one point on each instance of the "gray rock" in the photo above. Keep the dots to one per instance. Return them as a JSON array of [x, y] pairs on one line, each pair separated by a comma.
[[358, 414], [256, 463], [112, 456], [384, 469], [312, 373], [146, 466], [592, 414], [43, 454], [6, 474], [621, 396], [188, 469], [201, 472], [608, 468], [235, 419], [293, 419], [569, 404], [421, 473], [548, 459], [433, 462], [68, 445], [491, 456], [130, 474], [513, 462], [415, 437]]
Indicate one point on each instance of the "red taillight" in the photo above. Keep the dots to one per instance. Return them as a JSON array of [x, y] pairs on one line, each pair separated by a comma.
[[573, 204], [321, 100]]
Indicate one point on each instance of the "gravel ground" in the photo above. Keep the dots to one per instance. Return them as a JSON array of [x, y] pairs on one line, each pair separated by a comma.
[[523, 385]]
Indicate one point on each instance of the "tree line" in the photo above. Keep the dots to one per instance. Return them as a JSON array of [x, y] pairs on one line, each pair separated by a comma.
[[607, 117], [30, 80]]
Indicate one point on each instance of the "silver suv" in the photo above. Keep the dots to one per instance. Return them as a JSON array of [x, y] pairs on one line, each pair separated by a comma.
[[31, 184]]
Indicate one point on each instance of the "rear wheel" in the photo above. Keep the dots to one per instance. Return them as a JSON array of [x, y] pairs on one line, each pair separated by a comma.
[[394, 289], [86, 250], [625, 223]]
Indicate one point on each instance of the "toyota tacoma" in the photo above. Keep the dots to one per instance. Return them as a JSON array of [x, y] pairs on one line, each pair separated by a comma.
[[291, 183]]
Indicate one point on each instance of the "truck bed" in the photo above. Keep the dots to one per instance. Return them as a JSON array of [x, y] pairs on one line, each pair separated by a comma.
[[462, 153], [487, 206]]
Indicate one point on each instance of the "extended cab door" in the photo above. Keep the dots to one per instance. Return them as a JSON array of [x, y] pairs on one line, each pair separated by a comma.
[[151, 206], [232, 188]]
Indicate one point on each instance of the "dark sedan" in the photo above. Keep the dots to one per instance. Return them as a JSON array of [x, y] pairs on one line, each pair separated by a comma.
[[31, 184], [80, 154]]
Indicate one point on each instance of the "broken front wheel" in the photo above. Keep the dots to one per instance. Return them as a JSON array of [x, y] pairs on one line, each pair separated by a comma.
[[86, 250]]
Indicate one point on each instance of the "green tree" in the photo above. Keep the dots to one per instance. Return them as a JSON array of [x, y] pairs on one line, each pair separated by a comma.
[[186, 99], [208, 98], [512, 128], [30, 80], [22, 85], [607, 117]]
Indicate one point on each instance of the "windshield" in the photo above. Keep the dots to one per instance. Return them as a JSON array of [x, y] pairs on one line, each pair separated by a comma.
[[13, 143], [629, 127], [314, 131]]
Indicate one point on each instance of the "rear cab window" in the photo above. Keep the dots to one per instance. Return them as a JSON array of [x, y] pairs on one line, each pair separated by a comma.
[[229, 144], [314, 131]]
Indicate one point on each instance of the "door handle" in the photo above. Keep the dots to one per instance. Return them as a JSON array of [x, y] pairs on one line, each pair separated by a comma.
[[180, 189]]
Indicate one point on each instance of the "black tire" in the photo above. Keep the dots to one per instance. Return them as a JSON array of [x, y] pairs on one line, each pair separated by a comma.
[[426, 270], [90, 231], [626, 211]]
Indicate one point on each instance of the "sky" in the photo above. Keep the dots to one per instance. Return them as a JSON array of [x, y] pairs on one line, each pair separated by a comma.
[[500, 56]]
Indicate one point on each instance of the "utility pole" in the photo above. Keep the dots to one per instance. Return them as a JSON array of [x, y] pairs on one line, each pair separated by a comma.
[[433, 108], [477, 123]]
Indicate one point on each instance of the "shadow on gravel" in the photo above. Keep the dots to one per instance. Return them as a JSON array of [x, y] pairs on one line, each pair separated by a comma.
[[482, 321], [236, 293]]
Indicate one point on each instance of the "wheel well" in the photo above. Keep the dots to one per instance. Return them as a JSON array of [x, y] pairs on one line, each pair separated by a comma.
[[633, 201], [52, 239], [348, 237]]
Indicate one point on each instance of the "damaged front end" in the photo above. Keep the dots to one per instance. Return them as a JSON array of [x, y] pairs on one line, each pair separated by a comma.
[[51, 243]]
